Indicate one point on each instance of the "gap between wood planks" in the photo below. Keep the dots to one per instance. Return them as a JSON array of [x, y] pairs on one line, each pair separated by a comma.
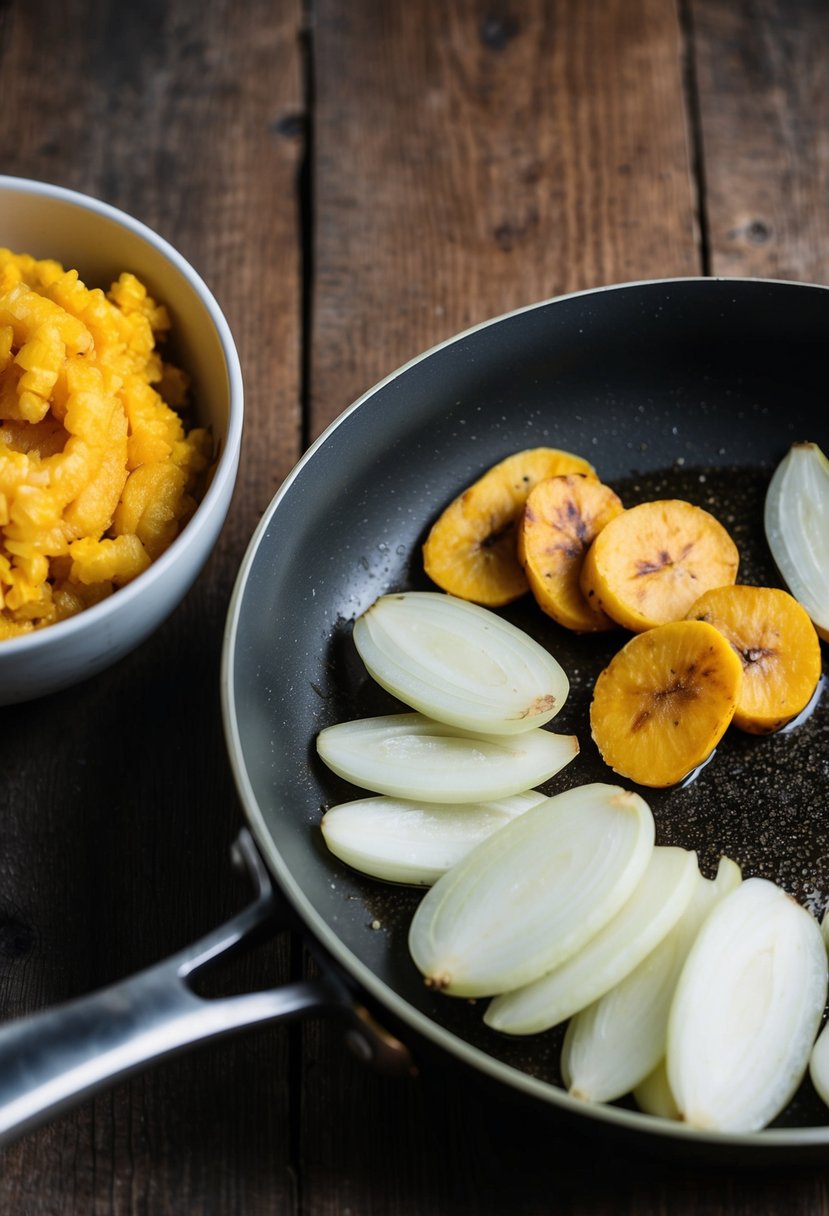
[[696, 141], [297, 956], [305, 187]]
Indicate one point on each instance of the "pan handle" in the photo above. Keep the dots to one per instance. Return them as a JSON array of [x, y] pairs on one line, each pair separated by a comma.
[[50, 1061]]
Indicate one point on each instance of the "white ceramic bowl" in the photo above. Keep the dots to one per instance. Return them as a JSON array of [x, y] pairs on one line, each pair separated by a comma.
[[100, 241]]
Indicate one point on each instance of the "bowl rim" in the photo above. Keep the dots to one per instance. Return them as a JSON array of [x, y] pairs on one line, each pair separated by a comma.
[[222, 482]]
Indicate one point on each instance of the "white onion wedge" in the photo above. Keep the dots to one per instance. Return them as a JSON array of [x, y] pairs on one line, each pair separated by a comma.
[[526, 899], [411, 756], [727, 879], [614, 1044], [398, 840], [459, 663], [655, 906], [819, 1065], [653, 1094], [797, 528], [819, 1059], [746, 1011]]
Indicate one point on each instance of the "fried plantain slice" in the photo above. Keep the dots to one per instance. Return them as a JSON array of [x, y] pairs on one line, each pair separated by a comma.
[[562, 516], [650, 564], [777, 645], [664, 702], [471, 550]]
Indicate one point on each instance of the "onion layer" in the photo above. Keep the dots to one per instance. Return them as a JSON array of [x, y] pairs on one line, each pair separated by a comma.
[[819, 1060], [746, 1011], [459, 663], [411, 756], [526, 899], [653, 1094], [797, 528], [614, 1044], [653, 909], [400, 840]]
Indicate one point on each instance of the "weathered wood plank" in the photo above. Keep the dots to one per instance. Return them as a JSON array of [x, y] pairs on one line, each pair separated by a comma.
[[468, 159], [764, 119], [472, 158], [116, 805], [445, 1147]]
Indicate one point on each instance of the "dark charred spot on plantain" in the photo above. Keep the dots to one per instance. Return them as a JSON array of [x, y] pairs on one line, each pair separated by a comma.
[[679, 690], [571, 550], [498, 536], [663, 559], [571, 527], [755, 654], [664, 701], [571, 519]]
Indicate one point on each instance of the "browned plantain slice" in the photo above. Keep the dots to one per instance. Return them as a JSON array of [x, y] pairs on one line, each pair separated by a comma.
[[778, 647], [664, 701], [652, 561], [471, 550], [563, 515]]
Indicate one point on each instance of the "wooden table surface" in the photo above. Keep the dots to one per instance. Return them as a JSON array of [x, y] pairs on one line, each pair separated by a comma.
[[356, 180]]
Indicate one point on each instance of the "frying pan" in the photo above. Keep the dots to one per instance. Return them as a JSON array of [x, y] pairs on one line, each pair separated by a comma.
[[691, 388]]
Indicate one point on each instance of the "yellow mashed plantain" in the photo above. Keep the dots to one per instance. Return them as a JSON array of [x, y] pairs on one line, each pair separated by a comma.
[[97, 473]]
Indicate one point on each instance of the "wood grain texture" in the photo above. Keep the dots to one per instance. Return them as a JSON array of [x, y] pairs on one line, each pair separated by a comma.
[[117, 808], [444, 1146], [466, 158], [469, 159], [764, 123], [475, 157]]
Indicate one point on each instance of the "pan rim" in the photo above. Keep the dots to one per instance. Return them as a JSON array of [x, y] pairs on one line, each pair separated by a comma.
[[642, 1125]]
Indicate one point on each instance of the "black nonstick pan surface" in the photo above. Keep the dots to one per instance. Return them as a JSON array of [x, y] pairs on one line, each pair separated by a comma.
[[690, 389]]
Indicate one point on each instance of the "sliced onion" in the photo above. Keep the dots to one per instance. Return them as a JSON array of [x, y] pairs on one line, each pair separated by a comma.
[[654, 907], [746, 1011], [819, 1065], [399, 840], [411, 756], [614, 1044], [727, 879], [459, 663], [653, 1095], [797, 528], [819, 1060], [526, 899]]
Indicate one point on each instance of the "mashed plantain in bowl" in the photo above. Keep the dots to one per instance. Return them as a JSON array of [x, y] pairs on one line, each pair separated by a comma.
[[98, 472]]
